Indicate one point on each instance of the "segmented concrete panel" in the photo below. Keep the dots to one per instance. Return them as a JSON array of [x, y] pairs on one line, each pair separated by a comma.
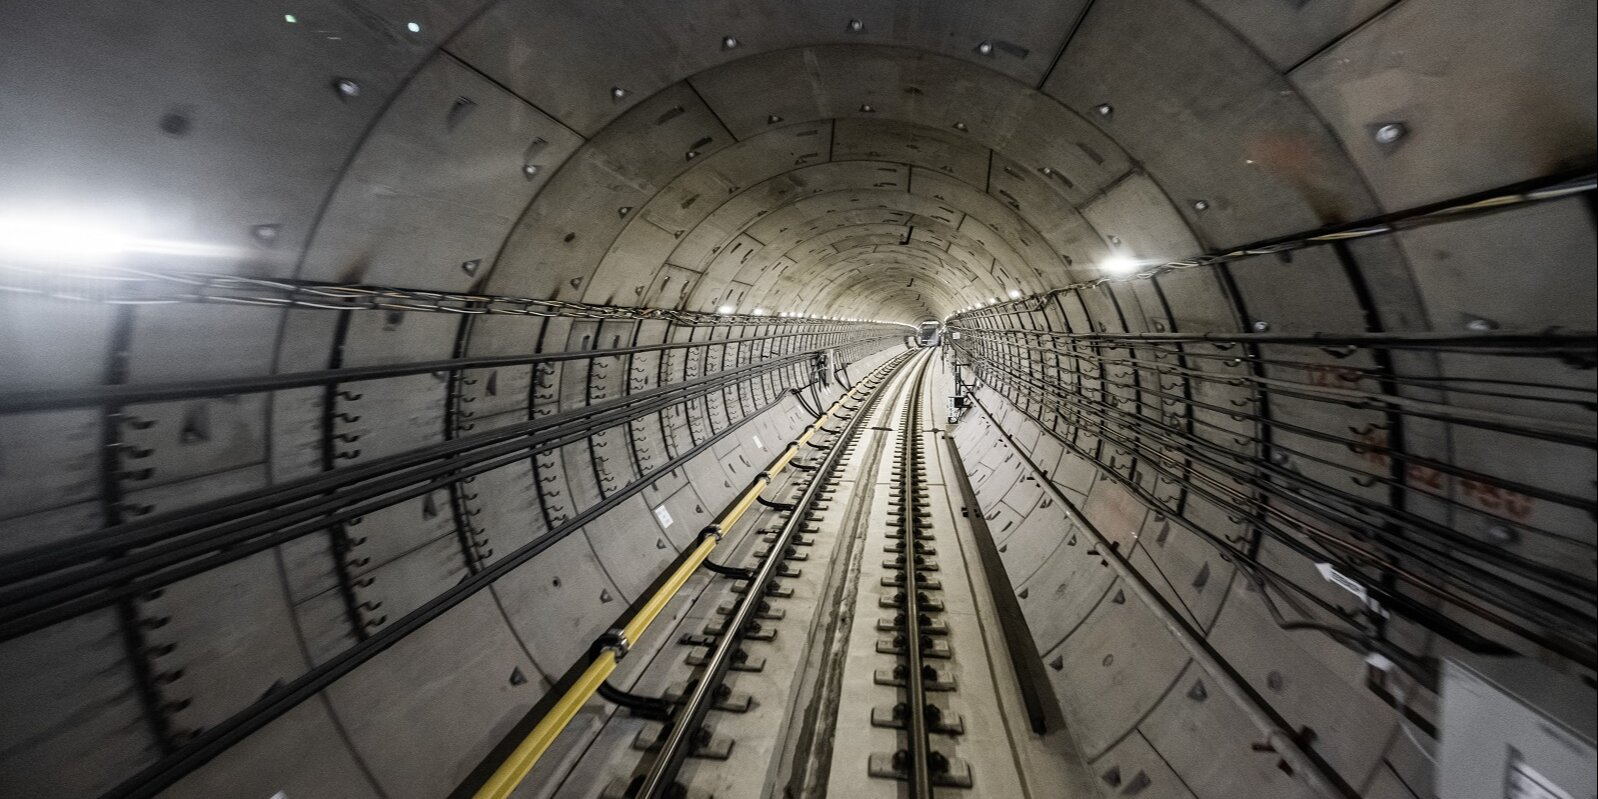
[[422, 713], [1134, 768], [214, 651], [1530, 81], [174, 342], [907, 166], [49, 459], [1232, 133], [201, 154], [633, 550], [1311, 686], [1066, 587], [1025, 547], [75, 728], [66, 343], [323, 764], [513, 518], [1114, 669], [1192, 724], [1188, 569], [1288, 33], [437, 183], [559, 602]]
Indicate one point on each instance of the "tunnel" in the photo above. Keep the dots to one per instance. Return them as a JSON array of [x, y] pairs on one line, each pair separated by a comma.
[[1058, 399]]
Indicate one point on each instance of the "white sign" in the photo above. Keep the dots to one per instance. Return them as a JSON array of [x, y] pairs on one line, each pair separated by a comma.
[[1350, 585], [663, 515], [1343, 581]]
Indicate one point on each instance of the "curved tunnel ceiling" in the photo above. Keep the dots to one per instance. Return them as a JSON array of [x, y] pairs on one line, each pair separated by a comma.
[[781, 174], [659, 152]]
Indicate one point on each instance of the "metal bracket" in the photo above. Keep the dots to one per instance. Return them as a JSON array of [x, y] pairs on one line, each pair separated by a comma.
[[614, 640]]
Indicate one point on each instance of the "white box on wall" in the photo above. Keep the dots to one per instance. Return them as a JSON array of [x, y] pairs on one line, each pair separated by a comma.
[[1513, 728]]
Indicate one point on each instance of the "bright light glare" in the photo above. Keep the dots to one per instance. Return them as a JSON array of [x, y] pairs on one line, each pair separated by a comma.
[[726, 309], [413, 27], [1015, 294], [759, 312], [1119, 265], [74, 239], [58, 239]]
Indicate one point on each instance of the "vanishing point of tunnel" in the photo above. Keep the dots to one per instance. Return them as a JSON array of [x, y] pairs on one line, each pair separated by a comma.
[[631, 399]]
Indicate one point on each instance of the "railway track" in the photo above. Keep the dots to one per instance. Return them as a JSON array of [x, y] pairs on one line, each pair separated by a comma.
[[792, 677], [916, 633], [686, 733], [848, 646]]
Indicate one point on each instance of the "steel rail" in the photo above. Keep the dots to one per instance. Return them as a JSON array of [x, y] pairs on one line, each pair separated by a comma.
[[660, 779], [515, 768], [216, 739], [919, 768]]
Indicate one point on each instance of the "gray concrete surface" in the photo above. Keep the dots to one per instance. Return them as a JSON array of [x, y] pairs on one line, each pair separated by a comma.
[[875, 160]]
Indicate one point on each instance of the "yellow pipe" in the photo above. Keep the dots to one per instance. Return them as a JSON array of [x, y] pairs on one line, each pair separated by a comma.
[[510, 773], [516, 767], [646, 614]]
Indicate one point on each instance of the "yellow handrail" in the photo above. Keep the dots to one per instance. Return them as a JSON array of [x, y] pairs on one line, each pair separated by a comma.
[[510, 773]]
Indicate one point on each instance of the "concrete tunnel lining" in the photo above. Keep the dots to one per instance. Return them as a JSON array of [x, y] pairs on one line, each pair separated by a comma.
[[811, 184]]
